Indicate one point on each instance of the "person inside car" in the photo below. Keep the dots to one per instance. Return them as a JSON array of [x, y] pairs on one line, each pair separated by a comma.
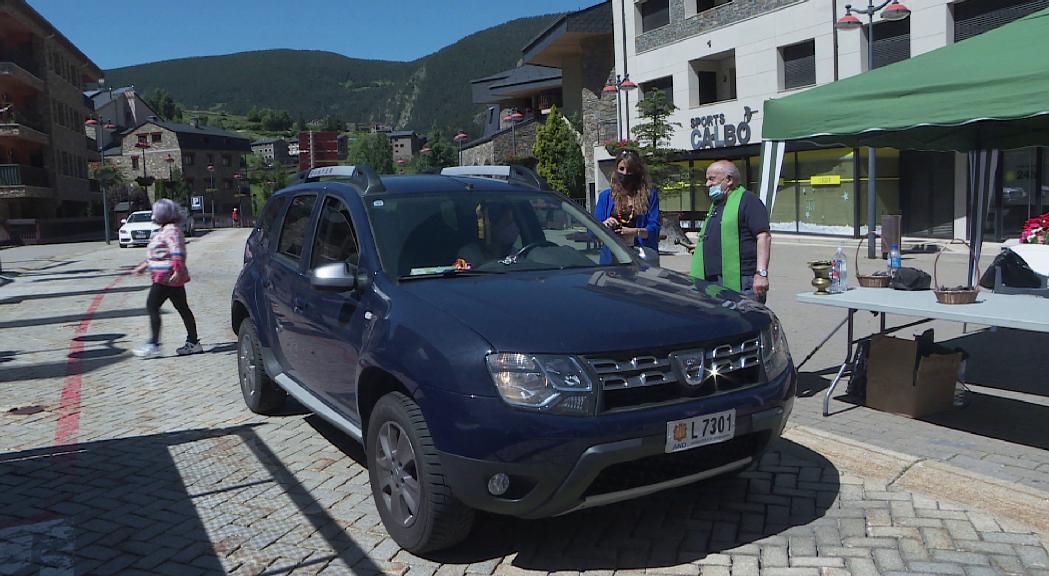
[[497, 237]]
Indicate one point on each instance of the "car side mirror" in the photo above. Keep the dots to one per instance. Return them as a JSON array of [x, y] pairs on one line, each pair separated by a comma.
[[648, 255], [339, 277], [123, 221]]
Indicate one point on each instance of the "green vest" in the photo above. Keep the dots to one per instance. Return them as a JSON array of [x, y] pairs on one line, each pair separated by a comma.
[[730, 263]]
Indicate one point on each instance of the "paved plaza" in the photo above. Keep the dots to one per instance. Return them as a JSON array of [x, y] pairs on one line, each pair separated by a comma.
[[114, 465]]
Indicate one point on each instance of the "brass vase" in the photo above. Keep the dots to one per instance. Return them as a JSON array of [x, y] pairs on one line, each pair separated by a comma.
[[821, 271]]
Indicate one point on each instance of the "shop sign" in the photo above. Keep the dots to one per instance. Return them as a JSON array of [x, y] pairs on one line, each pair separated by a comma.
[[197, 203], [826, 180], [713, 131]]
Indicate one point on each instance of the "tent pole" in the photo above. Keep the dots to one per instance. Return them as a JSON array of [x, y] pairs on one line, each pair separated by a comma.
[[872, 198]]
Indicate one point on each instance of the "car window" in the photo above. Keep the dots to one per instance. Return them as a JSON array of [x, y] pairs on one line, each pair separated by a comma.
[[293, 232], [423, 235], [336, 240], [140, 217], [269, 215]]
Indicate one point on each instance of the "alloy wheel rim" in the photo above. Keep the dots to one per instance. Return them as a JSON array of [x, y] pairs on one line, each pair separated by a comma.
[[398, 474], [246, 362]]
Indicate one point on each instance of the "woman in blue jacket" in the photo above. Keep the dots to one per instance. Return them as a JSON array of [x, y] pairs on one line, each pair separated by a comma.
[[630, 207]]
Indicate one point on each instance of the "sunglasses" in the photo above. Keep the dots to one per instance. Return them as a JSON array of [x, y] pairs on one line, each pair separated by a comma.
[[625, 153]]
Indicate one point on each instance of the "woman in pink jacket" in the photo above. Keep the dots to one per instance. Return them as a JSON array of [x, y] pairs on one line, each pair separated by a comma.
[[166, 261]]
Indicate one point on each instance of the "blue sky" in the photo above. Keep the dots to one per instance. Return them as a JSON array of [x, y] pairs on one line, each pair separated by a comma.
[[117, 33]]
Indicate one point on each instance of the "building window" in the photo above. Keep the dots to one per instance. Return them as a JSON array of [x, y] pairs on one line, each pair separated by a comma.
[[712, 79], [134, 162], [892, 42], [143, 138], [155, 136], [654, 14], [226, 160], [975, 17], [704, 5], [797, 65], [666, 85]]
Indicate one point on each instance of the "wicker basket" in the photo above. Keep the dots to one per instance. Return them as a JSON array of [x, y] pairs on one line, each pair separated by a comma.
[[945, 296], [868, 280]]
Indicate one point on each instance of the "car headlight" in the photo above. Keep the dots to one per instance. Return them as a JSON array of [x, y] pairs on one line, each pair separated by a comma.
[[543, 383], [774, 351]]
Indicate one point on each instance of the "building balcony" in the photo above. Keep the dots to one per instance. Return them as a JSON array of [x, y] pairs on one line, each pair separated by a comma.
[[15, 72], [18, 129], [20, 175]]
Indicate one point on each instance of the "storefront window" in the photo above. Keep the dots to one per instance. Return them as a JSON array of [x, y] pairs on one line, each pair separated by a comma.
[[1019, 190], [887, 185], [674, 183], [785, 209], [1045, 181], [825, 192]]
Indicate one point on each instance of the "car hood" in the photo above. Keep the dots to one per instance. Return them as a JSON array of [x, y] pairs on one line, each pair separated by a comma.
[[591, 310], [140, 226]]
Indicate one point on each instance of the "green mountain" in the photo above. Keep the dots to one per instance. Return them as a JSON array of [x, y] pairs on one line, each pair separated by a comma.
[[314, 84]]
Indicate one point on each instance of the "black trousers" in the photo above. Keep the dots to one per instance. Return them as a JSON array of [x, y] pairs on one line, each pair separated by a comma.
[[160, 293]]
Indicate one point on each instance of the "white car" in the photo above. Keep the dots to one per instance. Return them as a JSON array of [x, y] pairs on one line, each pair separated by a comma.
[[137, 228]]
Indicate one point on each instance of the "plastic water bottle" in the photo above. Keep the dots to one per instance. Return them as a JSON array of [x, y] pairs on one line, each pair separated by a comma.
[[839, 272], [895, 261]]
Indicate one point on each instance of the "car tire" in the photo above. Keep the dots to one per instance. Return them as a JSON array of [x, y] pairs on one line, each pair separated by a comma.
[[121, 245], [260, 393], [403, 465]]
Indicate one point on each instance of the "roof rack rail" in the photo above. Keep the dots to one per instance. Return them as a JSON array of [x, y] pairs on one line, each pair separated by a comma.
[[514, 173], [361, 174]]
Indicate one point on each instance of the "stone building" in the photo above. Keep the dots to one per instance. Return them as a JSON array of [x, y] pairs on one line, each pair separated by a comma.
[[273, 151], [210, 160], [43, 150]]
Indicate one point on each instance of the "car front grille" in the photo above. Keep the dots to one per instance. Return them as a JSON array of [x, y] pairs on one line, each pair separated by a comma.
[[634, 380], [140, 234], [665, 467]]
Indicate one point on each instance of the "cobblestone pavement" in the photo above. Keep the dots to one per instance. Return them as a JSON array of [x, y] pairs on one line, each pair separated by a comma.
[[110, 464]]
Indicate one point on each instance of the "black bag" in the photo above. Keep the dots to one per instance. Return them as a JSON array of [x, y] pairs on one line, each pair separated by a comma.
[[1016, 273], [910, 279]]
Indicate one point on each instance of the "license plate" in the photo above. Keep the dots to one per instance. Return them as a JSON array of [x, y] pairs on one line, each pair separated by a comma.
[[701, 430]]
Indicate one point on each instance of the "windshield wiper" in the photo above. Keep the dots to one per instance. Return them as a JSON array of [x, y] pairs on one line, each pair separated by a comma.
[[452, 273]]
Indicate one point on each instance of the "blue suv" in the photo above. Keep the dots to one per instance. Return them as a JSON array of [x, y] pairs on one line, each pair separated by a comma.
[[462, 328]]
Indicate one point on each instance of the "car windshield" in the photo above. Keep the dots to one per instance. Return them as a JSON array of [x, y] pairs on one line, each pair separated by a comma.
[[140, 217], [441, 235]]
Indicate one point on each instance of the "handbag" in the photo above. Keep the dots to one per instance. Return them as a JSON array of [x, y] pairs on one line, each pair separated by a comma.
[[910, 279]]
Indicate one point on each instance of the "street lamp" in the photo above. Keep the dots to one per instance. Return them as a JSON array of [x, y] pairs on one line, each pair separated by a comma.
[[513, 117], [240, 197], [211, 170], [890, 10], [622, 85], [460, 137], [142, 145], [169, 159], [107, 125]]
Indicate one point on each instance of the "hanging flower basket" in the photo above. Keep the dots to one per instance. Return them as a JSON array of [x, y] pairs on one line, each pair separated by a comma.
[[1036, 230], [616, 146]]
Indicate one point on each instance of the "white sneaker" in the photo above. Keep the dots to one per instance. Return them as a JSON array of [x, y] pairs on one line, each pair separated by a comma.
[[147, 350], [190, 348]]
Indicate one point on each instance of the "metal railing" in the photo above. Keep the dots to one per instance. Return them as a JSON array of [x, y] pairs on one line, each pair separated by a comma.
[[19, 175]]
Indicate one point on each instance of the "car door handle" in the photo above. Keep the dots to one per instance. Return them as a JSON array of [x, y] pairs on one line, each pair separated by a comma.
[[298, 306]]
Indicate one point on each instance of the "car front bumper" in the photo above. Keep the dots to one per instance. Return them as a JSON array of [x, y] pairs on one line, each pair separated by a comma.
[[562, 479]]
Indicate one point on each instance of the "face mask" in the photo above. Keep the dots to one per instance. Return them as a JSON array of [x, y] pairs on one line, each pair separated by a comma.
[[716, 193], [628, 180], [507, 235]]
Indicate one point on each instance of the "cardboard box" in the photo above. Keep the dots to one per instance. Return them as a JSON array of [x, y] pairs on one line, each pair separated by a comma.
[[901, 382]]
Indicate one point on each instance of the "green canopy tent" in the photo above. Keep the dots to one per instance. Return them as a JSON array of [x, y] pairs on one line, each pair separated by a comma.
[[986, 93]]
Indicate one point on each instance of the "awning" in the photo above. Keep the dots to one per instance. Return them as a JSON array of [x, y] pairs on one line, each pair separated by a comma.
[[990, 91], [983, 94]]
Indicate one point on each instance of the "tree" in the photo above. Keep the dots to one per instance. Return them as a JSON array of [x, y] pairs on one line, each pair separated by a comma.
[[654, 132], [655, 129], [560, 158], [373, 150], [441, 155], [333, 124], [164, 105]]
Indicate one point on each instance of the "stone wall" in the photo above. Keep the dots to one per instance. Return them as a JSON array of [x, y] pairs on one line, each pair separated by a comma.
[[682, 25], [599, 110], [497, 149]]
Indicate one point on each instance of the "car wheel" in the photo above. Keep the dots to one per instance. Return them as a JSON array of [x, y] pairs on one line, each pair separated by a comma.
[[260, 393], [416, 505], [121, 245]]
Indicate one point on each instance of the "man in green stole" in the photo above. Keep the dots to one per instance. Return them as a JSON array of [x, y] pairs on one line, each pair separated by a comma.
[[734, 244]]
